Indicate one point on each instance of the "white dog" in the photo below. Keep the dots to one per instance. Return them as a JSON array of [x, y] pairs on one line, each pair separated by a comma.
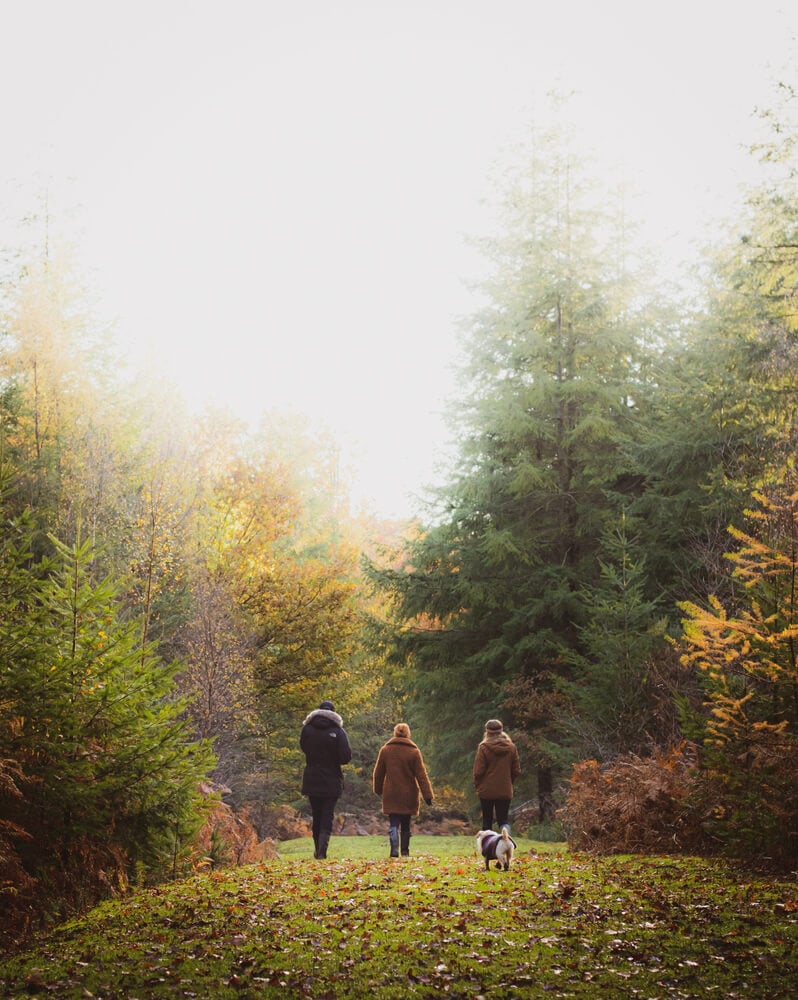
[[498, 847]]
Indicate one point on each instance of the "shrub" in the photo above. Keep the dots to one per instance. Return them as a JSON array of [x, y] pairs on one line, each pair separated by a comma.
[[634, 804], [746, 795], [746, 658]]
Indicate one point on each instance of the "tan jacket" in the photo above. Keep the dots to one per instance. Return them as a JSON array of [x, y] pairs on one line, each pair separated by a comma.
[[496, 766], [399, 776]]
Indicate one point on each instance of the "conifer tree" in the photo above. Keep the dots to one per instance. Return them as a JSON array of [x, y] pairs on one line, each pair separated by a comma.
[[722, 420], [614, 708], [111, 772], [554, 382]]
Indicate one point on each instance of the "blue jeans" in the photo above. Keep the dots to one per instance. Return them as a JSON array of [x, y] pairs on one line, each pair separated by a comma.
[[399, 833]]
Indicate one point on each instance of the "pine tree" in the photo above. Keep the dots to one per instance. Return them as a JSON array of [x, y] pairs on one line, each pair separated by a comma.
[[111, 772], [615, 710], [553, 386], [722, 421]]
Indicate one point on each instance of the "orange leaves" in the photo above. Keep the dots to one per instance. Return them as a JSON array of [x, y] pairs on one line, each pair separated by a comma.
[[634, 804], [561, 924]]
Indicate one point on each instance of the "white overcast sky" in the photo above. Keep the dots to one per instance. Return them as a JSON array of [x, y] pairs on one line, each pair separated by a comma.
[[271, 197]]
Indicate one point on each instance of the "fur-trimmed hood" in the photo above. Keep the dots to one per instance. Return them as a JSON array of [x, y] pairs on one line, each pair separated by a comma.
[[402, 740], [323, 717]]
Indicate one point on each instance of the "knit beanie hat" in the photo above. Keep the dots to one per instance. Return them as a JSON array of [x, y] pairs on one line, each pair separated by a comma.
[[402, 729], [494, 726], [328, 705]]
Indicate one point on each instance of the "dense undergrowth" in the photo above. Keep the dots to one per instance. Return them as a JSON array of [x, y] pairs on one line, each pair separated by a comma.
[[557, 924]]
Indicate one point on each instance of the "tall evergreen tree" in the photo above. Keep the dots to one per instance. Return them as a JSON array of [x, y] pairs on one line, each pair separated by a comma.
[[555, 380], [723, 418]]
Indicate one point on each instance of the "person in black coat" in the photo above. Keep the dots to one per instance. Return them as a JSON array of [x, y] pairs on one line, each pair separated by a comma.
[[326, 747]]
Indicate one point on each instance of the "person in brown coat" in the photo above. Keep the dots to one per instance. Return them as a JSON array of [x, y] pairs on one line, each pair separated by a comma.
[[400, 776], [496, 766]]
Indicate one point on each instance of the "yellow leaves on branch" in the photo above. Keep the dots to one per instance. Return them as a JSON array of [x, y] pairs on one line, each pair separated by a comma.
[[749, 658], [716, 644]]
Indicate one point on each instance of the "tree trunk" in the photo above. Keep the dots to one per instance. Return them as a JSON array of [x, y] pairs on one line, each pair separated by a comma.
[[545, 793]]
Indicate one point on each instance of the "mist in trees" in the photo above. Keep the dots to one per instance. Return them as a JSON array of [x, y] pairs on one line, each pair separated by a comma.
[[557, 383], [177, 590], [609, 435], [177, 593]]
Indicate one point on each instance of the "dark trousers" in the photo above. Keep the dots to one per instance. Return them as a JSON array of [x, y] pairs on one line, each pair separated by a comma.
[[323, 809], [399, 833], [501, 807]]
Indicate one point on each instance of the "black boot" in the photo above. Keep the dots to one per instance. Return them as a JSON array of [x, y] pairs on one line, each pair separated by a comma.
[[405, 843], [393, 840]]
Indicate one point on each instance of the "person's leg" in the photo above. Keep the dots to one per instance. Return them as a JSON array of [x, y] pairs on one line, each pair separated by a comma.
[[394, 820], [405, 836], [502, 813], [487, 813], [327, 811], [315, 809]]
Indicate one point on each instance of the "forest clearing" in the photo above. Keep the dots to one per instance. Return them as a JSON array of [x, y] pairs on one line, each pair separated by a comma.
[[602, 574], [557, 924]]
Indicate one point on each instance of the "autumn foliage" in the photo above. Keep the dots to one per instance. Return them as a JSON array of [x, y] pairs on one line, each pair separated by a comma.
[[168, 586], [735, 788], [747, 660], [634, 805]]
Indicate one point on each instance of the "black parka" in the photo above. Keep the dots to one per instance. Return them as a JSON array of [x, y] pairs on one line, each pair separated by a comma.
[[326, 747]]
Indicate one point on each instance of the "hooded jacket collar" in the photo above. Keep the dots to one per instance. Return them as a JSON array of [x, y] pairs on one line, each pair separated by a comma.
[[404, 740], [497, 740], [319, 714]]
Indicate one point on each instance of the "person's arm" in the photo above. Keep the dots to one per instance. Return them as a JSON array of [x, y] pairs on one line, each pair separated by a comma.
[[480, 764], [424, 784], [344, 750], [378, 777]]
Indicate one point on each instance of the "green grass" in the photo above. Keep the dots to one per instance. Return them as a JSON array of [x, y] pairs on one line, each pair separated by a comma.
[[359, 925], [377, 847]]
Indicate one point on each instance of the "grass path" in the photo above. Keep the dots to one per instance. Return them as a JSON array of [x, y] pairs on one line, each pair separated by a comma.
[[436, 924], [376, 848]]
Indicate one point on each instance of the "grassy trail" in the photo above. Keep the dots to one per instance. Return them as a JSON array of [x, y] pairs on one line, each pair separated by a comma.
[[359, 925]]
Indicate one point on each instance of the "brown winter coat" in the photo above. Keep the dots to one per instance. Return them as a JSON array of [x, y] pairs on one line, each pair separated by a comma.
[[496, 766], [399, 775]]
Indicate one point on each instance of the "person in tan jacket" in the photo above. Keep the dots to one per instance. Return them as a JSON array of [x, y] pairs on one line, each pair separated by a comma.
[[496, 766], [400, 777]]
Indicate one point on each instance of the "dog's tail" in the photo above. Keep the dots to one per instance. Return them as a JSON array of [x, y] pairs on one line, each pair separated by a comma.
[[505, 833]]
